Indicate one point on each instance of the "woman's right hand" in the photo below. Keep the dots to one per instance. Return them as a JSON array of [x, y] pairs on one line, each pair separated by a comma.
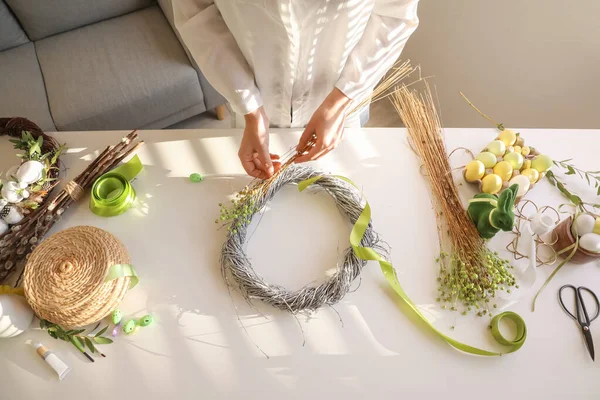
[[254, 149]]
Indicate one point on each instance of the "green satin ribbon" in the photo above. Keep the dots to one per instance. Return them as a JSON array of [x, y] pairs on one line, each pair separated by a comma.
[[367, 253], [112, 193], [123, 271], [493, 202]]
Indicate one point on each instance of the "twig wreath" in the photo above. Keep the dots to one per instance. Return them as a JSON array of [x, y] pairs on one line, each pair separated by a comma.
[[235, 263]]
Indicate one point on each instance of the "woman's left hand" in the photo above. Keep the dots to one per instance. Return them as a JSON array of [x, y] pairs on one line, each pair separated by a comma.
[[327, 125]]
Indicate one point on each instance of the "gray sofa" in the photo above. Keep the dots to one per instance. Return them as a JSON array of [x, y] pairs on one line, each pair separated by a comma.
[[73, 65]]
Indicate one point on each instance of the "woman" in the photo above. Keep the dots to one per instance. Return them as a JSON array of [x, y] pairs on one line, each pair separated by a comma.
[[294, 63]]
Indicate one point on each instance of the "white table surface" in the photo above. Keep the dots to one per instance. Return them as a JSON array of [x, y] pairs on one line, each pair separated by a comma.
[[197, 348]]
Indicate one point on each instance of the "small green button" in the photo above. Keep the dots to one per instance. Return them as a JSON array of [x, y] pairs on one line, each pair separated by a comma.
[[146, 320], [195, 177], [129, 326], [116, 317]]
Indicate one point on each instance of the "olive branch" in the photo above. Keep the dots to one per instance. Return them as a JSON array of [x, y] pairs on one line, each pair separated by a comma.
[[75, 336]]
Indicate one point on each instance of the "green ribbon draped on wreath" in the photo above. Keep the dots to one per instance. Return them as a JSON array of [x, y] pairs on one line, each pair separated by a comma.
[[368, 254]]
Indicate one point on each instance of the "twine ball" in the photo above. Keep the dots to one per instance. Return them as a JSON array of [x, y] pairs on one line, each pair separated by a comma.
[[64, 276]]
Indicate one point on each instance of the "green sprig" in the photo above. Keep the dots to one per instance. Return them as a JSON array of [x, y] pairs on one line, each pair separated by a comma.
[[75, 336], [573, 198], [241, 210]]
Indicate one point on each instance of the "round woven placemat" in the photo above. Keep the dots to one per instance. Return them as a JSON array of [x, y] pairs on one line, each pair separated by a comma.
[[64, 276]]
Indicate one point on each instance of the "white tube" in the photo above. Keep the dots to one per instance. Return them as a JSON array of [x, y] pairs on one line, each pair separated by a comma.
[[53, 361]]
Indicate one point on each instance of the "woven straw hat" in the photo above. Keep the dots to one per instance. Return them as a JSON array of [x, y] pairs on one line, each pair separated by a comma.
[[64, 276]]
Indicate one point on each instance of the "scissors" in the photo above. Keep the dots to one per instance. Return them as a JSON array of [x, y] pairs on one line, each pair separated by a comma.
[[583, 320]]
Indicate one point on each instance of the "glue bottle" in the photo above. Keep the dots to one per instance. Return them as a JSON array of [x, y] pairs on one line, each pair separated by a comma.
[[52, 359]]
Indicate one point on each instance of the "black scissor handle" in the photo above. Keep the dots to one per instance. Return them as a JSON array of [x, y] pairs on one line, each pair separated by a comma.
[[579, 289], [579, 304], [562, 304]]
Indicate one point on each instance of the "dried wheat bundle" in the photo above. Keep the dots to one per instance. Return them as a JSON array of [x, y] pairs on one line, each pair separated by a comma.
[[22, 238], [470, 274]]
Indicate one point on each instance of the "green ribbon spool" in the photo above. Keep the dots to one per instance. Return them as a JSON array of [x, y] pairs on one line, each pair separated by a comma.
[[112, 193], [368, 254]]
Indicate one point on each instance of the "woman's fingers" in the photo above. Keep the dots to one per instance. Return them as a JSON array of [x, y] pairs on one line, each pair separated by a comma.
[[308, 133]]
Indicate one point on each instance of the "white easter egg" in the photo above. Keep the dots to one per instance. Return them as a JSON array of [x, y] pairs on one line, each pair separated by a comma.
[[523, 183], [15, 315], [9, 192], [3, 227], [14, 216], [583, 224], [590, 242], [30, 172], [3, 202]]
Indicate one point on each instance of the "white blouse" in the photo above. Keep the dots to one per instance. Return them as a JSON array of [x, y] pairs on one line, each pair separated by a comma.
[[287, 55]]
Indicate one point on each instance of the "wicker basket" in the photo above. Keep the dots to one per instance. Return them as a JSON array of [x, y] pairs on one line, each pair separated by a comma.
[[64, 277], [10, 245], [565, 239]]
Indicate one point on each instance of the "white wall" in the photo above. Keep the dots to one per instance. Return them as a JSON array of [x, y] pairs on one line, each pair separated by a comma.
[[527, 63]]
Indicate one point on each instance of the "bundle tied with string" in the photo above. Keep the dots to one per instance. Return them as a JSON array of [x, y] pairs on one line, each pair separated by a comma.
[[235, 263], [64, 278]]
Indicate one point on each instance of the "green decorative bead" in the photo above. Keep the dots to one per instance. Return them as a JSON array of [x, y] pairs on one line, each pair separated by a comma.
[[195, 177], [146, 320], [116, 317], [129, 326]]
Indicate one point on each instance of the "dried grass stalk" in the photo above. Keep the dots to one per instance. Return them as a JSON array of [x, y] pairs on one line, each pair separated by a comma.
[[23, 237], [470, 274]]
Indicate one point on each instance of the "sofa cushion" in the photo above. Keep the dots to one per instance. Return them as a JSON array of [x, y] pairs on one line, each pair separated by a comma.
[[11, 34], [42, 18], [124, 73], [22, 92]]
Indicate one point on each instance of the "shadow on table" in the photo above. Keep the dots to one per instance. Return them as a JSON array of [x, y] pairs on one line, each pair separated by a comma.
[[206, 337]]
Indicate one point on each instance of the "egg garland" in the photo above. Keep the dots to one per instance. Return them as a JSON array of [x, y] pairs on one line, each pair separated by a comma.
[[506, 161], [23, 188]]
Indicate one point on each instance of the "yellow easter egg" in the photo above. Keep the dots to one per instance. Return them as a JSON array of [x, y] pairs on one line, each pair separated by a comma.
[[525, 150], [532, 174], [497, 148], [517, 149], [474, 170], [542, 163], [515, 160], [527, 164], [491, 183], [596, 229], [508, 136], [504, 170], [488, 159]]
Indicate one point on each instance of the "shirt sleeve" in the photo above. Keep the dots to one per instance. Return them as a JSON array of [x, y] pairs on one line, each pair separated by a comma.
[[389, 27], [211, 45]]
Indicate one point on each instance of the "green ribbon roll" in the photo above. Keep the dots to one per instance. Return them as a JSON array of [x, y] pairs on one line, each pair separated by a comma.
[[367, 254], [112, 193], [121, 271]]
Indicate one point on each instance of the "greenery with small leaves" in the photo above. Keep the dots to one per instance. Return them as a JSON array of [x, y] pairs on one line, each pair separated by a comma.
[[241, 210], [592, 178], [76, 336]]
